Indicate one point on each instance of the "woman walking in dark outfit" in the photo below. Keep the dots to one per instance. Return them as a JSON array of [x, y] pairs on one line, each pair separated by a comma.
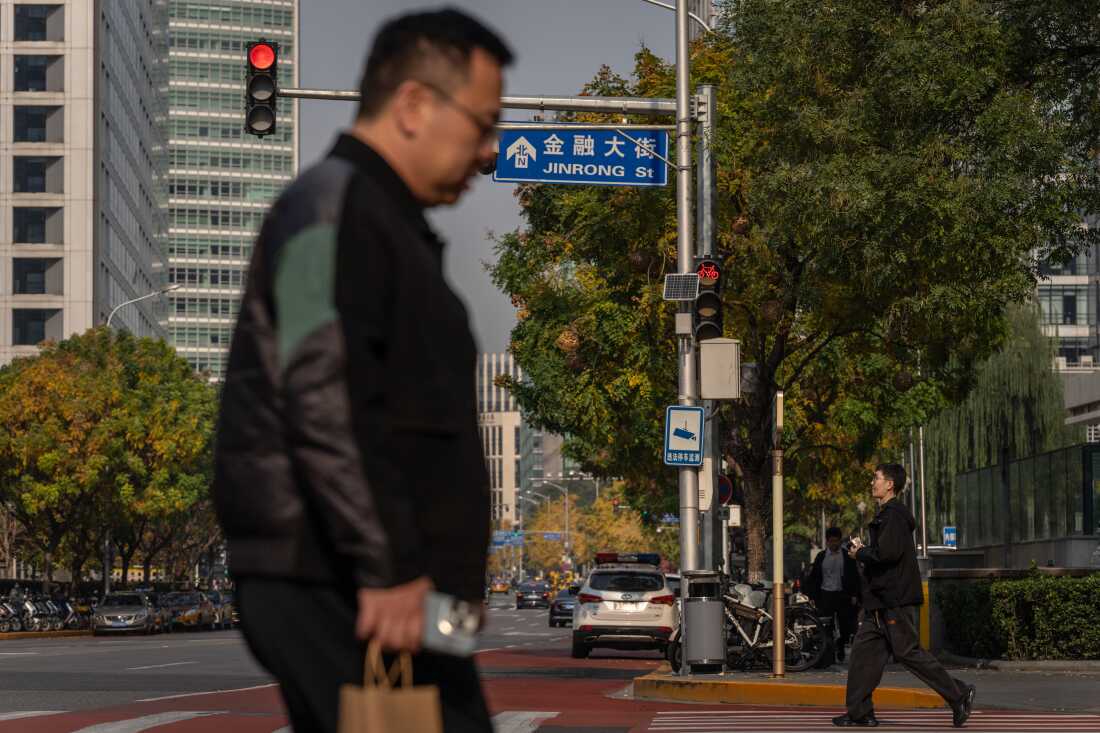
[[891, 588]]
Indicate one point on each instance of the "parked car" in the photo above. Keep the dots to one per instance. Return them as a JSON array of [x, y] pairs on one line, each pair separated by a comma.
[[533, 595], [223, 609], [561, 608], [625, 603], [162, 612], [124, 613], [191, 610]]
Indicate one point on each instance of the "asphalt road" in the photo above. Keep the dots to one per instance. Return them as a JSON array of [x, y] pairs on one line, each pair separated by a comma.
[[207, 681], [85, 672]]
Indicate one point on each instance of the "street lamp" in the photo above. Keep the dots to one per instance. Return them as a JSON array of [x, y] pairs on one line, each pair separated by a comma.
[[155, 293], [565, 498], [691, 15], [107, 537]]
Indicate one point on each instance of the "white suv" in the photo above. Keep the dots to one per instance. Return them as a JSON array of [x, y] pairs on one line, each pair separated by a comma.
[[625, 603]]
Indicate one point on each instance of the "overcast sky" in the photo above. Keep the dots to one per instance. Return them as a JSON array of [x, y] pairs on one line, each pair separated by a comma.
[[559, 45]]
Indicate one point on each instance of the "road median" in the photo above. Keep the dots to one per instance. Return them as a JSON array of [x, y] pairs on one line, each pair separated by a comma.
[[764, 690], [13, 635]]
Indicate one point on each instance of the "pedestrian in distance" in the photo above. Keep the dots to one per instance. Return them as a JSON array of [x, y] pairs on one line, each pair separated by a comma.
[[349, 477], [833, 584], [891, 589]]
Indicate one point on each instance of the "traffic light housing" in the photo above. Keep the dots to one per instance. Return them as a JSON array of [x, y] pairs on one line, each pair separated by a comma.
[[707, 309], [261, 87]]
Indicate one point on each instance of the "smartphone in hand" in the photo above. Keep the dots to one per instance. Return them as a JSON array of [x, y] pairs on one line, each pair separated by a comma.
[[450, 625]]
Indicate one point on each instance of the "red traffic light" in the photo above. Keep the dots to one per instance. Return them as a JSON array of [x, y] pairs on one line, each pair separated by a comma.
[[261, 56]]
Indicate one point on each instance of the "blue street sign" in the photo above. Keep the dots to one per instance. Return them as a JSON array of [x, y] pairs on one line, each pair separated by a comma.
[[670, 519], [552, 536], [593, 157], [683, 436], [950, 537]]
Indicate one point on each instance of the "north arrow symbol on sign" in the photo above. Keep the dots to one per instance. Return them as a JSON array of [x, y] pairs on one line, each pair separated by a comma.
[[522, 148]]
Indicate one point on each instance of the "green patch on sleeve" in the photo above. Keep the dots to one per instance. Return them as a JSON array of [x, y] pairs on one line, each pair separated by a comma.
[[304, 281]]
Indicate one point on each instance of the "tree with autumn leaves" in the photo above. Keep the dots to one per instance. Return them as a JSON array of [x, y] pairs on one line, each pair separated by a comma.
[[107, 433], [890, 174], [604, 525]]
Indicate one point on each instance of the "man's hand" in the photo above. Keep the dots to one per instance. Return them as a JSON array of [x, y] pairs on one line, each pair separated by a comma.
[[853, 549], [393, 616]]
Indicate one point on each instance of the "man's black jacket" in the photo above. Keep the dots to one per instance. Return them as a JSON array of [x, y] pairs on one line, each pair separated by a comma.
[[348, 450], [891, 576], [849, 579]]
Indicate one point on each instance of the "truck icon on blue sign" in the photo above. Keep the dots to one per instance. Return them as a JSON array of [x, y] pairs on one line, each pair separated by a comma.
[[682, 433]]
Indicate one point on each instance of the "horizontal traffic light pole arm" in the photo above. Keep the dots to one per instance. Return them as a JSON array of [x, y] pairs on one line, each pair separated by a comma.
[[611, 105], [576, 126]]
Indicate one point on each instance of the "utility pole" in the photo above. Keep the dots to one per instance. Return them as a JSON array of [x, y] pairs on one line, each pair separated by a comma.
[[685, 244]]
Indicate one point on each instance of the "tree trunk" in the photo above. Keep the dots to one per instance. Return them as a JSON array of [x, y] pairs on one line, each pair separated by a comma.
[[756, 517], [127, 558], [146, 568], [48, 585]]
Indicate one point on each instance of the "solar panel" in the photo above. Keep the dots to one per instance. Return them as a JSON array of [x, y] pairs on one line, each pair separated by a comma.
[[681, 286]]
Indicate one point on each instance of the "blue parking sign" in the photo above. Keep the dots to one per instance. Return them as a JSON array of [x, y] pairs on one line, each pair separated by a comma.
[[683, 436]]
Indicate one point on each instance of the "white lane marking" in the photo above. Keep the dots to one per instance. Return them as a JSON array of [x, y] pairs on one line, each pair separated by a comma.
[[284, 729], [158, 666], [520, 721], [494, 649], [28, 714], [137, 725], [209, 692], [18, 654]]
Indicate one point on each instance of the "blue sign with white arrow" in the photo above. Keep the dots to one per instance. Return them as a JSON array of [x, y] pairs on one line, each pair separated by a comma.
[[683, 436], [583, 156]]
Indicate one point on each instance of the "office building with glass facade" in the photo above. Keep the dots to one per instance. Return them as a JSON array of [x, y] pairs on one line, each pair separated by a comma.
[[500, 422], [220, 180], [1068, 296], [82, 166]]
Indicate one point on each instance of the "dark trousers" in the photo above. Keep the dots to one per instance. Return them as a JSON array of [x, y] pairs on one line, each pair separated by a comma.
[[305, 636], [880, 634], [838, 604]]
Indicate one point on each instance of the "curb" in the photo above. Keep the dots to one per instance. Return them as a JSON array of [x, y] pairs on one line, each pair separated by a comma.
[[655, 686], [1031, 665], [13, 635]]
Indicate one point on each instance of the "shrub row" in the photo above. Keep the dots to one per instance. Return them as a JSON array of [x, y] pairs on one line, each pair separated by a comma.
[[1039, 617]]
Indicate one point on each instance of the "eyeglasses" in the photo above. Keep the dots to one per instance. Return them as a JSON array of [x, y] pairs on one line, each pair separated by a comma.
[[487, 131]]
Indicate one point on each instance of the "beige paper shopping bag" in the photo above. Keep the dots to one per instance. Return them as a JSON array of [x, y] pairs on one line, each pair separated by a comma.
[[383, 706]]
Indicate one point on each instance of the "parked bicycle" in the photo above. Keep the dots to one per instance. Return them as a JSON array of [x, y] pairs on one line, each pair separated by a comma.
[[749, 631]]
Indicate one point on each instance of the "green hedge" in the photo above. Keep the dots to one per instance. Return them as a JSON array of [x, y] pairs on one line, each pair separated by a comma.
[[1039, 617]]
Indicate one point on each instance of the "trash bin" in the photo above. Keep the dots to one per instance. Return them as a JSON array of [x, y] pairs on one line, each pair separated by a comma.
[[704, 626]]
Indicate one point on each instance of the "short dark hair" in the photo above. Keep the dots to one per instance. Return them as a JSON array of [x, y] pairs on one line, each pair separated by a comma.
[[417, 45], [894, 472], [833, 532]]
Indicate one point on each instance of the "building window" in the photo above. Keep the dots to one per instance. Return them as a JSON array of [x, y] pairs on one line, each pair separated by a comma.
[[39, 73], [38, 124], [40, 23], [37, 276], [37, 225], [38, 174], [31, 326], [1065, 305]]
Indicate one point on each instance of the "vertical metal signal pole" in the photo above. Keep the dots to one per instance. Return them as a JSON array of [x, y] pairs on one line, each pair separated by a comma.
[[923, 499], [715, 530], [779, 622], [685, 245]]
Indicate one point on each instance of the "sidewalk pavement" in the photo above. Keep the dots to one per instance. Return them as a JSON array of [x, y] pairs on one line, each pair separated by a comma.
[[1035, 689]]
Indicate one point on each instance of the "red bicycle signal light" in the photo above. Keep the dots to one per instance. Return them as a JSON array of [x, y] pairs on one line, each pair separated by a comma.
[[261, 56]]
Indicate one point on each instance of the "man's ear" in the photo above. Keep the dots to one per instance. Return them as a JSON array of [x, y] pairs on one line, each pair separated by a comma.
[[410, 105]]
